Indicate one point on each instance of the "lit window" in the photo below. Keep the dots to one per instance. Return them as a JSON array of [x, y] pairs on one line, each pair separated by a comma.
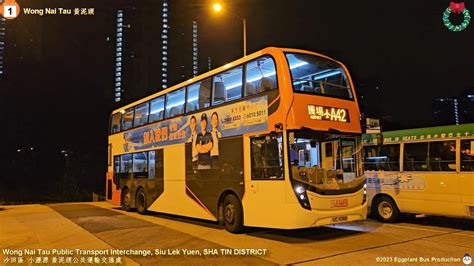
[[116, 118], [127, 119], [316, 75], [175, 103], [157, 108], [260, 76], [141, 115], [199, 95], [227, 86]]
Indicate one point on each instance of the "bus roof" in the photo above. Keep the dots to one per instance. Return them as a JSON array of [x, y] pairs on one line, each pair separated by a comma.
[[239, 61], [427, 133]]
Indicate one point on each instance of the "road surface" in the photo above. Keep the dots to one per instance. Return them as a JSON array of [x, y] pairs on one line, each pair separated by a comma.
[[100, 227]]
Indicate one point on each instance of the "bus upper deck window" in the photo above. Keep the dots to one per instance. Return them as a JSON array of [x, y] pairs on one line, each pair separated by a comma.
[[141, 115], [227, 86], [127, 119], [260, 76], [198, 95], [115, 125], [317, 75], [157, 108], [175, 103]]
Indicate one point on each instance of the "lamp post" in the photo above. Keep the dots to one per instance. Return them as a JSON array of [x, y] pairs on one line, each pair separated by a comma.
[[218, 8]]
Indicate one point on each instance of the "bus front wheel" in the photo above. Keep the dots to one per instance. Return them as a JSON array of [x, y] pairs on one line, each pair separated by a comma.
[[126, 200], [233, 214], [141, 201], [385, 209]]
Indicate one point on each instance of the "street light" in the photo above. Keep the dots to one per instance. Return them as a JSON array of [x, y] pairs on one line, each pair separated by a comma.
[[218, 8]]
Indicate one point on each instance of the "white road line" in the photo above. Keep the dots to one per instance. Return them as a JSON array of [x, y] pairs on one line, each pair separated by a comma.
[[460, 234], [410, 227]]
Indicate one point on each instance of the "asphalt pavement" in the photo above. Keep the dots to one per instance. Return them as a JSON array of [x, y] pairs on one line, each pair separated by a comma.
[[173, 240]]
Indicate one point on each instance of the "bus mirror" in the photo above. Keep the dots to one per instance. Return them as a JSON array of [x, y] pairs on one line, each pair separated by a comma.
[[291, 137], [313, 143], [380, 139], [278, 127]]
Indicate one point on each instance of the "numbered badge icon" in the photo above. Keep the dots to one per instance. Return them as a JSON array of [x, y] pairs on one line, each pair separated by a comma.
[[10, 9]]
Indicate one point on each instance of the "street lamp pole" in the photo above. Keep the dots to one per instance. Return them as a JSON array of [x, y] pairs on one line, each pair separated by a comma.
[[218, 8], [245, 36]]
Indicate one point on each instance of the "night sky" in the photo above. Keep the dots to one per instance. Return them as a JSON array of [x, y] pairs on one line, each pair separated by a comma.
[[57, 91]]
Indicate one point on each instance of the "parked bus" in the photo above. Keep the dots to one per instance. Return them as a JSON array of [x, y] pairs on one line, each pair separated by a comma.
[[421, 171], [270, 140]]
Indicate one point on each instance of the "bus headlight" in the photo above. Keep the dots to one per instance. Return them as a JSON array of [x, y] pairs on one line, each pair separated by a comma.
[[301, 195], [299, 189]]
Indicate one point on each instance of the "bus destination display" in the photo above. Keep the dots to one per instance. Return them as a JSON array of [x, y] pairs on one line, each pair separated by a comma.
[[318, 112]]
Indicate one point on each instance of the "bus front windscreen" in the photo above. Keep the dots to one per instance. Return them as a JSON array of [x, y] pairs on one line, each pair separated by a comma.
[[316, 75], [326, 163]]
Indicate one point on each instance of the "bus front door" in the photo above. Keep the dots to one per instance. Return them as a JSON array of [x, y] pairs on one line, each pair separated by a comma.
[[264, 178]]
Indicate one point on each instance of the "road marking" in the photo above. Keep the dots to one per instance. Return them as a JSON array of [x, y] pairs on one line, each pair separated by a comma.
[[410, 227], [370, 248], [460, 234], [441, 242]]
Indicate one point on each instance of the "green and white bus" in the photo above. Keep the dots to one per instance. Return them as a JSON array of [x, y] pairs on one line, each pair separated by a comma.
[[421, 171]]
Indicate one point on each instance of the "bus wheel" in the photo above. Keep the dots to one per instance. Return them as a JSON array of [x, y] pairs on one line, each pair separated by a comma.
[[233, 214], [126, 200], [141, 201], [386, 209]]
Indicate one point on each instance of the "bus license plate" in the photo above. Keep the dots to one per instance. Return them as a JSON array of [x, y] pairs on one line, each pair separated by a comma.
[[339, 219]]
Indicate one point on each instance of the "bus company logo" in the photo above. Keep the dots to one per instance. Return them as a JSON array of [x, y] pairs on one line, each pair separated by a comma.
[[339, 203], [467, 259], [404, 178]]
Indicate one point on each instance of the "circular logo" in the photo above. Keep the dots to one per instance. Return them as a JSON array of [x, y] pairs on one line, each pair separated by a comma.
[[467, 259], [456, 8], [10, 9]]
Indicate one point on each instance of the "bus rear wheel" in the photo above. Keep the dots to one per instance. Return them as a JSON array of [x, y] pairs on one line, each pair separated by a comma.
[[386, 209], [141, 201], [126, 200], [233, 214]]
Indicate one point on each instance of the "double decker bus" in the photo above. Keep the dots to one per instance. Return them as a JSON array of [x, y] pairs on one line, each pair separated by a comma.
[[270, 140], [421, 171]]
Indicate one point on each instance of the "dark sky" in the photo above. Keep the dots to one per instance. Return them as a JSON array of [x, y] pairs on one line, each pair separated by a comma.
[[59, 69]]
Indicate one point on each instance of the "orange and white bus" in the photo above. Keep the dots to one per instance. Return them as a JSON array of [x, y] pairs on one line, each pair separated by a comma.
[[270, 140]]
